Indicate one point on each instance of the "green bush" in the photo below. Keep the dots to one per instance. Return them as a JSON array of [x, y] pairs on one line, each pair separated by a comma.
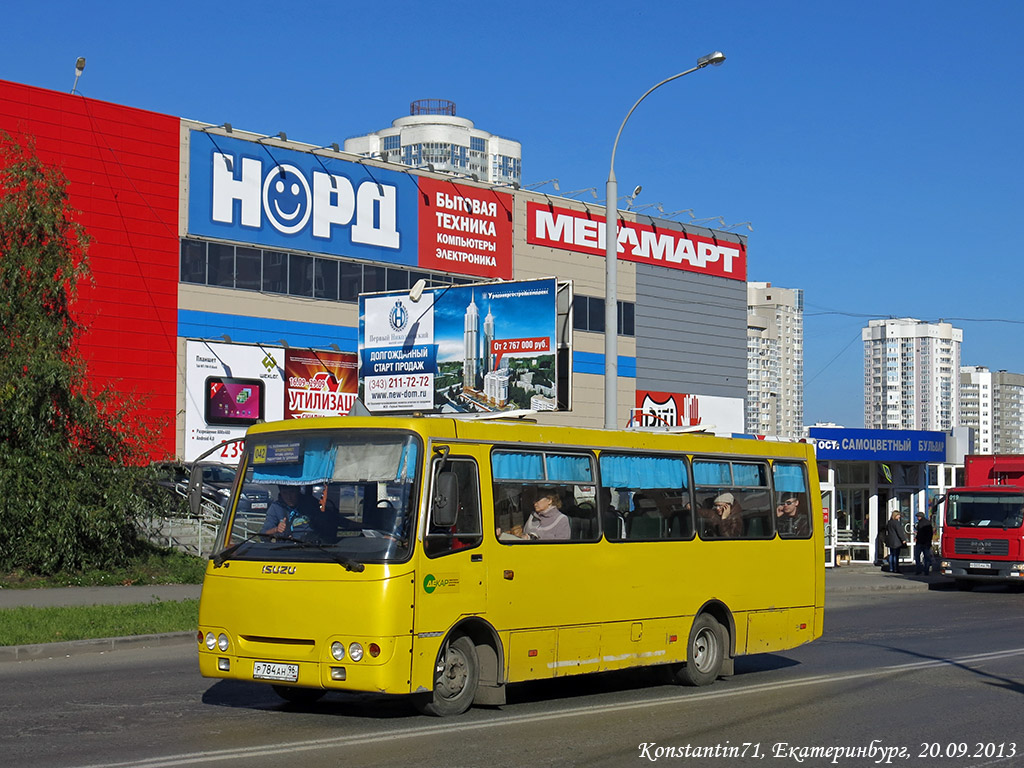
[[71, 466]]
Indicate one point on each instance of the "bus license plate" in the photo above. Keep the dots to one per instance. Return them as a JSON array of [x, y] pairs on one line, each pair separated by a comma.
[[978, 565], [268, 670]]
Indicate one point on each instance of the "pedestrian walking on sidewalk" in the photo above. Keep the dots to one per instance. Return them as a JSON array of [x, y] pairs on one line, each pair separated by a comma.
[[896, 540], [923, 534]]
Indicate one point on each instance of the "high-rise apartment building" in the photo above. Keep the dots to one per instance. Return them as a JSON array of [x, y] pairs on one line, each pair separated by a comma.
[[432, 137], [775, 360], [911, 374], [992, 404]]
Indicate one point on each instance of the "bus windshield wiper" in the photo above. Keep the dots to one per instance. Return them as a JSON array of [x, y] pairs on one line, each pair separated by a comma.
[[347, 564], [220, 557]]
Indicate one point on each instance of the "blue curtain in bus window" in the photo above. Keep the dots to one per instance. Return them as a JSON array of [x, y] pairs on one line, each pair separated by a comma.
[[749, 474], [517, 466], [789, 478], [407, 462], [569, 469], [316, 466], [642, 472], [711, 473]]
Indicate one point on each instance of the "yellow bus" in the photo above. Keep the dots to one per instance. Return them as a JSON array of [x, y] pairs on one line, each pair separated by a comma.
[[445, 558]]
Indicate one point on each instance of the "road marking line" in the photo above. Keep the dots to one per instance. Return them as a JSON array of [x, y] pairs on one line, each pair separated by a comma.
[[447, 727]]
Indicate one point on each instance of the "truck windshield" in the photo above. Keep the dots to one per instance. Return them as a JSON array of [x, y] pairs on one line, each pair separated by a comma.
[[344, 496], [985, 510]]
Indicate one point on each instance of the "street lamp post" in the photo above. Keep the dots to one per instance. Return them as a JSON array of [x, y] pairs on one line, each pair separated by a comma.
[[611, 235]]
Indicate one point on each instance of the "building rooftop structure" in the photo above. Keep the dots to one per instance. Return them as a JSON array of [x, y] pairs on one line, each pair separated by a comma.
[[433, 137]]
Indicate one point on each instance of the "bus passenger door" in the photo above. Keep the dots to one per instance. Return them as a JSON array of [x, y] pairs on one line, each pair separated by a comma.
[[452, 580]]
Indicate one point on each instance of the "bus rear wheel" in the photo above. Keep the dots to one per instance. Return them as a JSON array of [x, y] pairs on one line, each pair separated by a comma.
[[456, 677], [705, 652]]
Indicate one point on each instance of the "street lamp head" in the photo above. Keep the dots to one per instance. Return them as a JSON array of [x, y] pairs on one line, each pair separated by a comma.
[[714, 59]]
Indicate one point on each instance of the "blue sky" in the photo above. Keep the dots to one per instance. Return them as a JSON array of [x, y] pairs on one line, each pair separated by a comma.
[[875, 146]]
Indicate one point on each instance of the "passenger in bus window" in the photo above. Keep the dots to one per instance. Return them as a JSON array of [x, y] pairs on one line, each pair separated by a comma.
[[724, 518], [790, 521], [546, 522]]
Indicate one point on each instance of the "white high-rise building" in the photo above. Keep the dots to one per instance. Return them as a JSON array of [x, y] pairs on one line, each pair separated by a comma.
[[471, 352], [433, 137], [775, 360], [992, 404], [911, 374]]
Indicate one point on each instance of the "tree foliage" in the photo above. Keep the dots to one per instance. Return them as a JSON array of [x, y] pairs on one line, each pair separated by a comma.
[[70, 456]]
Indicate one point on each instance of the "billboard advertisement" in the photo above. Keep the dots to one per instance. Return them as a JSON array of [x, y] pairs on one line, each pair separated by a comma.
[[581, 232], [267, 195], [229, 387], [721, 415], [319, 383], [487, 347]]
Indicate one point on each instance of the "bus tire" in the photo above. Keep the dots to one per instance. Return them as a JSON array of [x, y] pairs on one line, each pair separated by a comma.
[[705, 652], [456, 677], [298, 695]]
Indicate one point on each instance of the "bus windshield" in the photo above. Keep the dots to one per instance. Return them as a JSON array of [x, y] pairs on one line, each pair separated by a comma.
[[348, 497], [985, 510]]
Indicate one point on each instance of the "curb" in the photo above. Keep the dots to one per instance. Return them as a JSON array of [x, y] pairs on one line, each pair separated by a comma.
[[99, 645]]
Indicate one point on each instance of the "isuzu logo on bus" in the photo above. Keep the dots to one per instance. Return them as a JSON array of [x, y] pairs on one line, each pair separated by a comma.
[[291, 202]]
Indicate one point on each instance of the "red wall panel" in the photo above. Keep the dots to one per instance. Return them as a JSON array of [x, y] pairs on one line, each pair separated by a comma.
[[122, 169]]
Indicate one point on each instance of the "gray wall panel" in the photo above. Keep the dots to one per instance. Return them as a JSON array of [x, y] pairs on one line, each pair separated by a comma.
[[691, 333]]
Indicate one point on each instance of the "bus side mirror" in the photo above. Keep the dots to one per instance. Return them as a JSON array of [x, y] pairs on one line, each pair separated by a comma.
[[194, 494], [445, 502]]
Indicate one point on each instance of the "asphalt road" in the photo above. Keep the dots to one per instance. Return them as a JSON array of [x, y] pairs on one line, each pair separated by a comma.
[[931, 672]]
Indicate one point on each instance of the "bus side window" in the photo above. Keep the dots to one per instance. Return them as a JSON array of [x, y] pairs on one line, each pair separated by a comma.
[[792, 514], [466, 532]]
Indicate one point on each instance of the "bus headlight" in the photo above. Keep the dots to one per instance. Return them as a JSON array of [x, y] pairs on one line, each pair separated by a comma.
[[222, 642], [355, 651], [338, 650], [211, 641]]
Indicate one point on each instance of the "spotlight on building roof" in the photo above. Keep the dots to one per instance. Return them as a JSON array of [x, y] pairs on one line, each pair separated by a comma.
[[719, 219], [79, 69], [536, 184], [282, 136], [591, 190], [731, 227], [645, 206]]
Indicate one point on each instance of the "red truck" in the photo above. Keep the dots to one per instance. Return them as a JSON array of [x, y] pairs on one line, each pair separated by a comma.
[[982, 533]]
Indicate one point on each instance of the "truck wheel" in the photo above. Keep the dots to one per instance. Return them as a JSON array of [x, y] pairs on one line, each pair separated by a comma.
[[705, 652], [456, 676]]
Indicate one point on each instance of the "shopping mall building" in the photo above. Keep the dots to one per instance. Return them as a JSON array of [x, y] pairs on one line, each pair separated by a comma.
[[227, 270]]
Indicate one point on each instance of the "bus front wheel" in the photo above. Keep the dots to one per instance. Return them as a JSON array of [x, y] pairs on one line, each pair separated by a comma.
[[705, 652], [456, 676]]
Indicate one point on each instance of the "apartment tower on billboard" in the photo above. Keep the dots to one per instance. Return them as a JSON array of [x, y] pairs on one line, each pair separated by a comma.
[[433, 138], [775, 360], [911, 374], [992, 404]]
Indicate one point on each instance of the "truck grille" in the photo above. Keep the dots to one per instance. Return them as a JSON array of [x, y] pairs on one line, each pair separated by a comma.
[[994, 547]]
